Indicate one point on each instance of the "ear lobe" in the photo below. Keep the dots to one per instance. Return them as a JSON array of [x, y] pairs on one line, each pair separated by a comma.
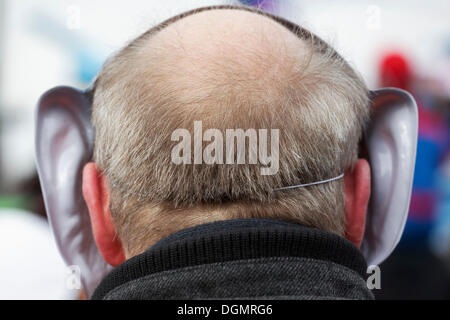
[[64, 140], [96, 194], [357, 194]]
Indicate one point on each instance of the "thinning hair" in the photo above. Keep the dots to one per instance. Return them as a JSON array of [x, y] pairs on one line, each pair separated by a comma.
[[305, 89]]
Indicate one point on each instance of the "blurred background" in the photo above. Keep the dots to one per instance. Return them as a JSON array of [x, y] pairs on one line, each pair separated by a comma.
[[46, 43]]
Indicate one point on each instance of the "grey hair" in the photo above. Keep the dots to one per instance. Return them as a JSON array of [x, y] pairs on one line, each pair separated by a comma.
[[319, 103]]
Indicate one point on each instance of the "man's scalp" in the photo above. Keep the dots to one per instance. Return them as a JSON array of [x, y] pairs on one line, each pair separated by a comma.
[[229, 68]]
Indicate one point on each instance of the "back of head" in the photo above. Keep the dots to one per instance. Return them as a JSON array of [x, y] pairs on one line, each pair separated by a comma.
[[230, 69]]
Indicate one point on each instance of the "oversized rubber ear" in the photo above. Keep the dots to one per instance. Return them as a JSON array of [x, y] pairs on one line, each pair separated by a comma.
[[64, 143], [391, 142]]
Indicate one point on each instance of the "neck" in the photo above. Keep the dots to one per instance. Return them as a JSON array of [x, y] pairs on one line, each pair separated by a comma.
[[271, 257]]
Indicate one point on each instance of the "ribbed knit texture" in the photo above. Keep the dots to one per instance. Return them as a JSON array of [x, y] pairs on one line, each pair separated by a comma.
[[235, 240]]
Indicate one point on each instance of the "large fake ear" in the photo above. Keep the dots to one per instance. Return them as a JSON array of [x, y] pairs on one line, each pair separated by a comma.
[[64, 143], [391, 142]]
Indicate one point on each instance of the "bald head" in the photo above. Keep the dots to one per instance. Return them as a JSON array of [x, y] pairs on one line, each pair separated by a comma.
[[207, 29], [229, 68], [216, 55], [234, 50]]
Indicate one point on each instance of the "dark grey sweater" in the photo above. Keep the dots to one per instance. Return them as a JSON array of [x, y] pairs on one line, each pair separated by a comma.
[[242, 259]]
